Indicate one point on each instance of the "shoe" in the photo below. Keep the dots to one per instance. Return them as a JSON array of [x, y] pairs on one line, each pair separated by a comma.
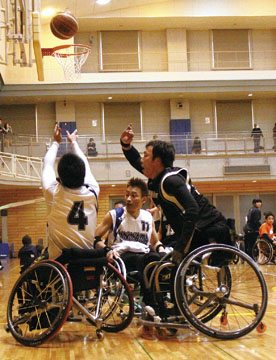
[[1, 267]]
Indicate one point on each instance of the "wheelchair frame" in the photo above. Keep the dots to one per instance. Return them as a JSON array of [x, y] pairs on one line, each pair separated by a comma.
[[210, 292], [264, 247], [42, 298]]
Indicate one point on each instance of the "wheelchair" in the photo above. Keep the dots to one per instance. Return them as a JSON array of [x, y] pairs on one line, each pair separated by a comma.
[[208, 291], [45, 294], [263, 251]]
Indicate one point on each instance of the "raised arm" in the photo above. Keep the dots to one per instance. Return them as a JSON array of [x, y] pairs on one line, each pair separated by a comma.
[[48, 172], [131, 154], [89, 178]]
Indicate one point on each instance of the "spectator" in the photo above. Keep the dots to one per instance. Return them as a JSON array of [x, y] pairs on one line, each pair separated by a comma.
[[274, 136], [7, 129], [253, 223], [1, 135], [196, 149], [256, 134], [91, 148], [27, 254]]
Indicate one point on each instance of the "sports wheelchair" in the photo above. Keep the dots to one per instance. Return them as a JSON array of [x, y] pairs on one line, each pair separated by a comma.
[[45, 293], [208, 291], [263, 251]]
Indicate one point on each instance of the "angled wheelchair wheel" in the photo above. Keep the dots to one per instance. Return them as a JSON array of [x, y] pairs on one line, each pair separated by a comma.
[[113, 300], [215, 295], [262, 251], [39, 303]]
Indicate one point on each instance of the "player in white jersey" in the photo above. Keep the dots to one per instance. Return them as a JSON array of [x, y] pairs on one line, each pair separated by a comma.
[[71, 199], [133, 238]]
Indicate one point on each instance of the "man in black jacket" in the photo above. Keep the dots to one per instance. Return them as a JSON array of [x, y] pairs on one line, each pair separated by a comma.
[[252, 225], [194, 220]]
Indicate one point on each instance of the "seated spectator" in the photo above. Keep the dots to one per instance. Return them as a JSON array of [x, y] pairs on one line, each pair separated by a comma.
[[196, 149], [91, 148], [27, 254]]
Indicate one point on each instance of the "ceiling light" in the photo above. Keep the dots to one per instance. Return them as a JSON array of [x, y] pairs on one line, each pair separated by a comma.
[[102, 2], [48, 12]]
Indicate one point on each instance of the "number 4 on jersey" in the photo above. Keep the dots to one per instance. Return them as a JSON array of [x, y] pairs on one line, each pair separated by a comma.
[[77, 215]]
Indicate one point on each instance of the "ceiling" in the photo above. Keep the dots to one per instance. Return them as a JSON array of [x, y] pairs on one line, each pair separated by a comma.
[[155, 15]]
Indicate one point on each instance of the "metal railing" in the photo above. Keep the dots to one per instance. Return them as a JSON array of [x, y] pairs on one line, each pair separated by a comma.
[[109, 146]]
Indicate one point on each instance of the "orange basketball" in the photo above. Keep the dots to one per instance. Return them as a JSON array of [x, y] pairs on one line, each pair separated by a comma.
[[64, 25]]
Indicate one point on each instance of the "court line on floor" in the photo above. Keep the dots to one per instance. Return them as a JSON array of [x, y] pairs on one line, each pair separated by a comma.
[[225, 352]]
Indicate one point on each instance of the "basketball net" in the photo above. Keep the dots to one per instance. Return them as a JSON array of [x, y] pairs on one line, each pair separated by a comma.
[[71, 58]]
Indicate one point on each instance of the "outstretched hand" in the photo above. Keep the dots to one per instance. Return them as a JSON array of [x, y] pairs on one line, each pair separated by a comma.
[[127, 135], [72, 137], [57, 134]]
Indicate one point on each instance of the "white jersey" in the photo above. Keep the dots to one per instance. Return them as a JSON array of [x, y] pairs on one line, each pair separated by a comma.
[[72, 213], [129, 233]]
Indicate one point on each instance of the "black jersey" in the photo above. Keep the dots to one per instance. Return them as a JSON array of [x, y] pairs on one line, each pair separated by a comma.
[[184, 207]]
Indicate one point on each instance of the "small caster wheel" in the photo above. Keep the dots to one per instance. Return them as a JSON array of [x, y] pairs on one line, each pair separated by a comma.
[[99, 334], [160, 334], [261, 328], [147, 332], [224, 320], [172, 331], [6, 327]]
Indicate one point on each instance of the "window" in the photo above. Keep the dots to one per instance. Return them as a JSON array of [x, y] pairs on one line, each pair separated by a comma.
[[231, 49], [233, 117], [120, 51], [118, 115]]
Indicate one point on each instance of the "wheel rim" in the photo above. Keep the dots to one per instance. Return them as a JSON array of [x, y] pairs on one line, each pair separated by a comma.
[[39, 303], [245, 307]]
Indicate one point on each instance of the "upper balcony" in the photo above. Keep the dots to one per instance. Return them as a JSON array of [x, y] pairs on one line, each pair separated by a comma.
[[222, 157]]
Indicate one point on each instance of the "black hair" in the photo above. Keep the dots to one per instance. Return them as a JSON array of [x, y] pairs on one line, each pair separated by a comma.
[[136, 182], [71, 171], [163, 150], [119, 202], [26, 240], [269, 213], [254, 201]]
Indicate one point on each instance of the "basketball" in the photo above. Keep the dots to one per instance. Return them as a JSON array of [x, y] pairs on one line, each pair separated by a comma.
[[64, 25]]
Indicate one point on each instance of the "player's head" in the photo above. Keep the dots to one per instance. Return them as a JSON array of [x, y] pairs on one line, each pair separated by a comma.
[[158, 155], [136, 194], [119, 204], [257, 202], [71, 171], [26, 240], [269, 217]]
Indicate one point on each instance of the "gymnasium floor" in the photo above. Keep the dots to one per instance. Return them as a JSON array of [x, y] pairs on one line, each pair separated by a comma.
[[78, 340]]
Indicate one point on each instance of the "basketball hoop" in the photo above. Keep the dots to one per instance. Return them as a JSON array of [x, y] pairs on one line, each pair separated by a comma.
[[70, 57]]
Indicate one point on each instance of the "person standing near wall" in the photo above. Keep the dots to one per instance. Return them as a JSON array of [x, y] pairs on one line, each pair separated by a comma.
[[256, 134], [274, 136], [251, 228]]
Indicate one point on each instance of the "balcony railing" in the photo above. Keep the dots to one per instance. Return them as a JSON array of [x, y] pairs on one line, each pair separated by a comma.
[[211, 144]]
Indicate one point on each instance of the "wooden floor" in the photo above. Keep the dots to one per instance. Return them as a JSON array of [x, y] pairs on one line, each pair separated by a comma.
[[78, 340]]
